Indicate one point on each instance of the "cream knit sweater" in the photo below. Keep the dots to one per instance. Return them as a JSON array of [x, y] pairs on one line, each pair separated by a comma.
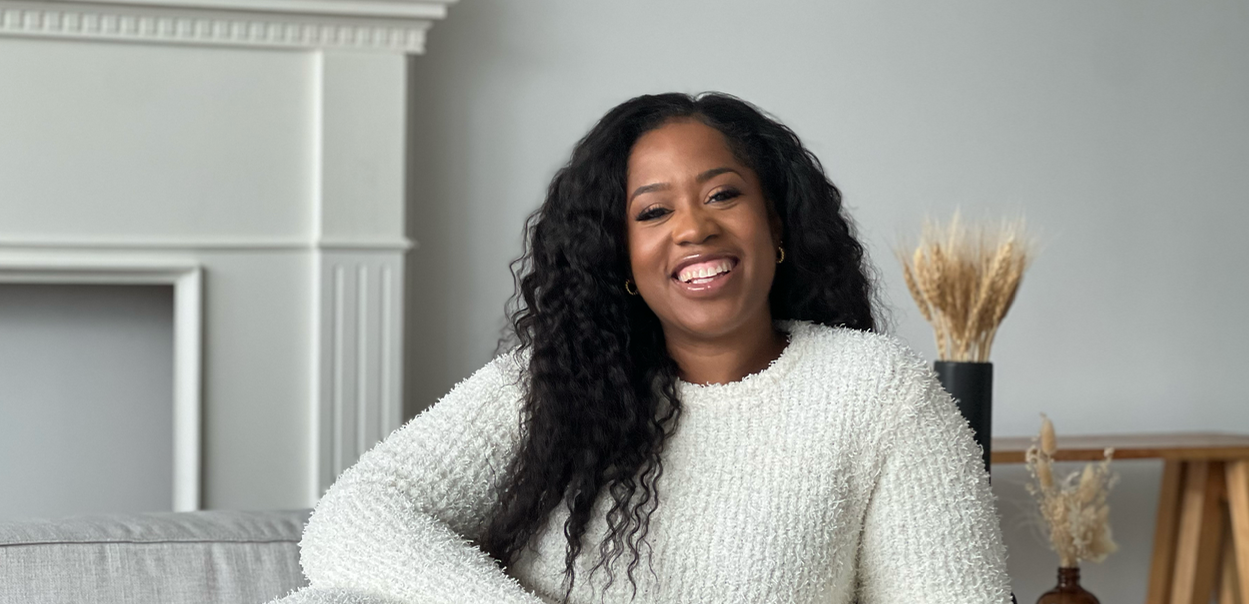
[[841, 473]]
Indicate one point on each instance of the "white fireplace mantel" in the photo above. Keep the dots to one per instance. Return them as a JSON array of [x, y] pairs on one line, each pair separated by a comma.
[[259, 142], [367, 25]]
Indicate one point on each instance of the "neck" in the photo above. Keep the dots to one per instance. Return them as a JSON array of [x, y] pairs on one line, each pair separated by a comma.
[[725, 358]]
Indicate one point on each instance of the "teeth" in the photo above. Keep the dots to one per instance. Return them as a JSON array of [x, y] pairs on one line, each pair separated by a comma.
[[704, 270]]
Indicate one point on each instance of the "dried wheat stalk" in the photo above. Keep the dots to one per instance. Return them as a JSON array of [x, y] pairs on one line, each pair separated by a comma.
[[1074, 509], [964, 280]]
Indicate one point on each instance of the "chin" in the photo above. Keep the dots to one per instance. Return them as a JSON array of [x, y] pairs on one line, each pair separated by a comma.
[[709, 323]]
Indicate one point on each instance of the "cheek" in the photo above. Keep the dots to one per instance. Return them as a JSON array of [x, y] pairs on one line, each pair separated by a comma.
[[764, 257], [644, 255], [765, 267]]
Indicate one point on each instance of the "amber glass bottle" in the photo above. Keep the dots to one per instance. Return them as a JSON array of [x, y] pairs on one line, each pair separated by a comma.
[[1068, 590]]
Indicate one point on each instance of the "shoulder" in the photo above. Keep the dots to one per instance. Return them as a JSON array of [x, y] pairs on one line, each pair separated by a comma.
[[870, 356], [872, 378], [868, 372], [504, 372]]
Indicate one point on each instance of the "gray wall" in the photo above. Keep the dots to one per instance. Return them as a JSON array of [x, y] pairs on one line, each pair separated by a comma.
[[1119, 128], [86, 389]]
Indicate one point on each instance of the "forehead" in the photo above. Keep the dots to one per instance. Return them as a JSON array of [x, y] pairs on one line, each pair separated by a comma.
[[677, 148]]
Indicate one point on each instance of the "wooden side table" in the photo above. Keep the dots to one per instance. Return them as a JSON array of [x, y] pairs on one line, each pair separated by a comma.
[[1205, 483]]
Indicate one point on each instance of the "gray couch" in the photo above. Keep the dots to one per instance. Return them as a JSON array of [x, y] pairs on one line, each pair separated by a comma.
[[162, 558]]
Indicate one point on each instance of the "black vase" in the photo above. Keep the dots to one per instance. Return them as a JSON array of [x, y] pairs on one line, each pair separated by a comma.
[[971, 385]]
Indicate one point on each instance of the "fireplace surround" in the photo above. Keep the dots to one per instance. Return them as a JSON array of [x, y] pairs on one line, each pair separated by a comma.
[[250, 153]]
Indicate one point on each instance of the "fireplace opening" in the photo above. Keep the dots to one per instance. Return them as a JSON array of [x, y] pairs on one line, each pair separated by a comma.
[[86, 398]]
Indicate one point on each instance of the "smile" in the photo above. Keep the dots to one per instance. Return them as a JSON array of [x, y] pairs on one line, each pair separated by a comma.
[[704, 272], [706, 275]]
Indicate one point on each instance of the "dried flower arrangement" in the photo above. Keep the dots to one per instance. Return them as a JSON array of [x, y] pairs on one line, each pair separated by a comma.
[[964, 279], [1074, 508]]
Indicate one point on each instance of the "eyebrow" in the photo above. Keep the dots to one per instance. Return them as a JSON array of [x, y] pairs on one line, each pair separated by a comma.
[[663, 186]]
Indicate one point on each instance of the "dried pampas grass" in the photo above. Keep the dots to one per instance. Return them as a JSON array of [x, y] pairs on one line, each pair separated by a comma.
[[1074, 508], [964, 279]]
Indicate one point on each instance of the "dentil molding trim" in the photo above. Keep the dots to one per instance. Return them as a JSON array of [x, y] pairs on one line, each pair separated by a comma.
[[188, 244], [367, 25]]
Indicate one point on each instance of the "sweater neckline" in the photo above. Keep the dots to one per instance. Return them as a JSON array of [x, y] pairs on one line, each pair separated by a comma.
[[794, 331]]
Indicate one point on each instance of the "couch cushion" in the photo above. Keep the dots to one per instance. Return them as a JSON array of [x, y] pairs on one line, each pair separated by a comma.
[[159, 558]]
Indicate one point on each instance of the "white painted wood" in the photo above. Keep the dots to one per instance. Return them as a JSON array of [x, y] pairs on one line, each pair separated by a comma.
[[361, 111], [237, 244], [428, 9], [359, 357], [138, 142], [386, 25], [187, 280], [363, 125], [188, 384]]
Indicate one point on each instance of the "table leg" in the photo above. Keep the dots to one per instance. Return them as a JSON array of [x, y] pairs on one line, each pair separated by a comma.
[[1238, 509], [1229, 587], [1200, 534], [1167, 519]]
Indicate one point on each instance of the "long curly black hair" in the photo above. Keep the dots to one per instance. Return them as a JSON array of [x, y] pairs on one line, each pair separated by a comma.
[[600, 388]]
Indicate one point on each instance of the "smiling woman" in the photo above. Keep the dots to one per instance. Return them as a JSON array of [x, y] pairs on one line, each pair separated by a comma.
[[697, 395]]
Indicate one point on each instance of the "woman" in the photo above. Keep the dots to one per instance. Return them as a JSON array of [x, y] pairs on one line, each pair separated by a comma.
[[698, 408]]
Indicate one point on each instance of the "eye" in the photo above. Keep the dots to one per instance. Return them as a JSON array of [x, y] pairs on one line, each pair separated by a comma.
[[724, 194], [652, 213]]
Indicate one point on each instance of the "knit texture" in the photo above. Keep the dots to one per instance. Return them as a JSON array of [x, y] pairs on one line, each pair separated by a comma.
[[841, 473]]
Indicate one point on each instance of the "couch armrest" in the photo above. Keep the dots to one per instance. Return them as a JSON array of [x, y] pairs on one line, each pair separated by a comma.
[[212, 556]]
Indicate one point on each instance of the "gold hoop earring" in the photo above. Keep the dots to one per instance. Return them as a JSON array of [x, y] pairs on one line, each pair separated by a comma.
[[781, 256], [631, 289]]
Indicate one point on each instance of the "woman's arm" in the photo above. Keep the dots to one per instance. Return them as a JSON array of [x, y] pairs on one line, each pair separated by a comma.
[[931, 532], [397, 524]]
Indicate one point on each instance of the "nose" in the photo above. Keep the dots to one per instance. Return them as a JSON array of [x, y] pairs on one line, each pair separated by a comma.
[[693, 225]]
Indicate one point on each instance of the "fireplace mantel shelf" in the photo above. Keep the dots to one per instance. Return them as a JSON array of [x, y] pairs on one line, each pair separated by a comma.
[[368, 25]]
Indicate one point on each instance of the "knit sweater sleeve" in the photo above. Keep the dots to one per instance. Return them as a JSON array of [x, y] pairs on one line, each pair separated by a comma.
[[930, 532], [398, 523]]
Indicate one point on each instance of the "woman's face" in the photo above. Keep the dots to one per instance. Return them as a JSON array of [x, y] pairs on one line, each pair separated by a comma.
[[702, 244]]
